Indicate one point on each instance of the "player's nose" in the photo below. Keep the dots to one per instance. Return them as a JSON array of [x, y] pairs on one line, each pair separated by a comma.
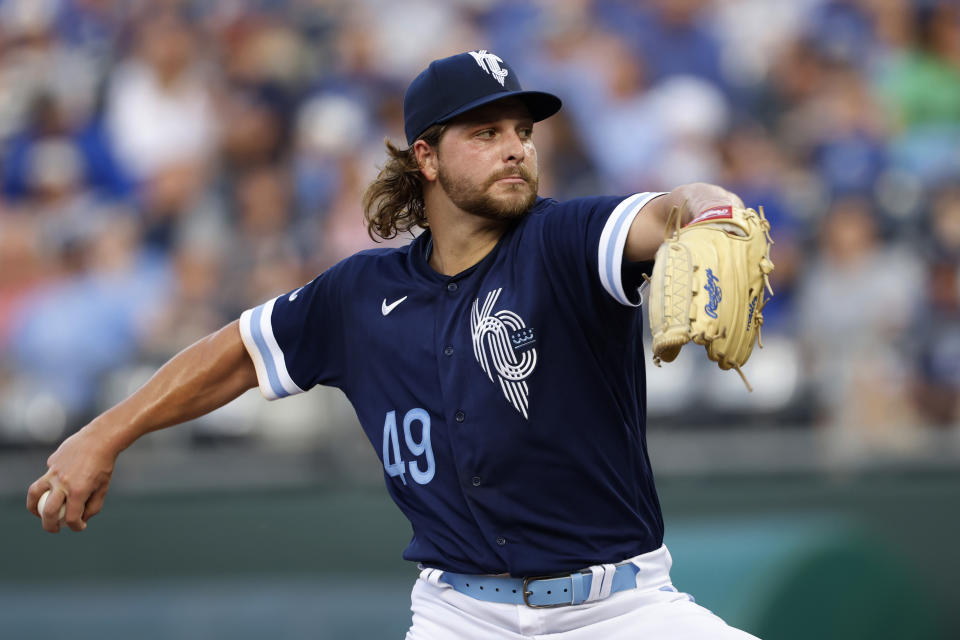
[[513, 149]]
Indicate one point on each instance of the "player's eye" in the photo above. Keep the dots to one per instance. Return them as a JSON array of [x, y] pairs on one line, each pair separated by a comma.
[[525, 132], [486, 134]]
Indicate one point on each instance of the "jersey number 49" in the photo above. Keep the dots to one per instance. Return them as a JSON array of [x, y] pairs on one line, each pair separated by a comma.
[[391, 446]]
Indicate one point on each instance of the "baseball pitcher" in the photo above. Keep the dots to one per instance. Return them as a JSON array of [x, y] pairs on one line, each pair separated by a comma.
[[495, 364]]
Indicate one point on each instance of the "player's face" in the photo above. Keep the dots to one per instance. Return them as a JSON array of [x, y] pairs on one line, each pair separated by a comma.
[[488, 163]]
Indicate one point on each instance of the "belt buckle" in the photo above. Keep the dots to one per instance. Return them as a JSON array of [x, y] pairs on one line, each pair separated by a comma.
[[527, 594]]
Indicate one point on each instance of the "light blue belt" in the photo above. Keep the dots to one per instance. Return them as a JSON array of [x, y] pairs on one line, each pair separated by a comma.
[[538, 593]]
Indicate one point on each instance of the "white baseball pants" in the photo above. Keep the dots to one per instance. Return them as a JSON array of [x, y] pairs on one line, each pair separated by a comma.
[[655, 610]]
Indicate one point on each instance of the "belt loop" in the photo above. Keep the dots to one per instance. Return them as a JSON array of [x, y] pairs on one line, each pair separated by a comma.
[[576, 587], [608, 571], [433, 577], [595, 583]]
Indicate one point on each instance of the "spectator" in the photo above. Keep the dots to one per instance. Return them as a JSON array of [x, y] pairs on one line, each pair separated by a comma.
[[922, 88], [849, 150], [160, 106], [936, 391], [36, 62], [49, 124], [672, 35], [945, 222], [197, 304], [854, 304], [83, 324], [263, 259]]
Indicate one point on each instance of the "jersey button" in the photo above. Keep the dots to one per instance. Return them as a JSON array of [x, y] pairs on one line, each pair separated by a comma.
[[459, 416], [452, 286], [501, 541], [448, 350], [476, 481]]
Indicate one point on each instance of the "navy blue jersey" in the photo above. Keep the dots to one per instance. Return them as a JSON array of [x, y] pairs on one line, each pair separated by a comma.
[[506, 402]]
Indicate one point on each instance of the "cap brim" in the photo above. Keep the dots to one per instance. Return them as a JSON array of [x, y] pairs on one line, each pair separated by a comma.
[[542, 105]]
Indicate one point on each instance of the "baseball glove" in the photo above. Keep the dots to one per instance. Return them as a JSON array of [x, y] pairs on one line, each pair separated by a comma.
[[709, 285]]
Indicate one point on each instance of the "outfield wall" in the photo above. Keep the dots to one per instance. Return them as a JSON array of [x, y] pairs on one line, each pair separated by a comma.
[[789, 556]]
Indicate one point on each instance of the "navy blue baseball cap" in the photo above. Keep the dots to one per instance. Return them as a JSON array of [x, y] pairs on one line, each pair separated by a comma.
[[452, 86]]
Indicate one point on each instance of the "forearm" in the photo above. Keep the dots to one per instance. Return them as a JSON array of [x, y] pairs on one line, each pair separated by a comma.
[[648, 229], [203, 377]]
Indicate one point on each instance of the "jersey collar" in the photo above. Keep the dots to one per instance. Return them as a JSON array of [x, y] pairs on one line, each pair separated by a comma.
[[421, 247]]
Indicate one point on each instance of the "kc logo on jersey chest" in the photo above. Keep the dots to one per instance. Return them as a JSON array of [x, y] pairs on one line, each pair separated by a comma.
[[504, 345]]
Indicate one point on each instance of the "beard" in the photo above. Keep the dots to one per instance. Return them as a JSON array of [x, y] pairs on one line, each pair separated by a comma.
[[477, 200]]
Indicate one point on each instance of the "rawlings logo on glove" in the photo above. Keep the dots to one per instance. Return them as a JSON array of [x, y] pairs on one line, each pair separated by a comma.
[[709, 285], [715, 294]]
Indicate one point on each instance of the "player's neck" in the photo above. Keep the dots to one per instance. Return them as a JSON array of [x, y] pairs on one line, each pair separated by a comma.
[[461, 241]]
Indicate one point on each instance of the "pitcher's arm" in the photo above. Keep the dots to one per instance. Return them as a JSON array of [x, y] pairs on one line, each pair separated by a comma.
[[649, 227], [203, 377]]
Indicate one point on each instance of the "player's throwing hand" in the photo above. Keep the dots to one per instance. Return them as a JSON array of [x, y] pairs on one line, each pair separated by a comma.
[[78, 477]]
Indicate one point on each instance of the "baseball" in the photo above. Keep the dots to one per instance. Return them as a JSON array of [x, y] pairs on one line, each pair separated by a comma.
[[43, 502]]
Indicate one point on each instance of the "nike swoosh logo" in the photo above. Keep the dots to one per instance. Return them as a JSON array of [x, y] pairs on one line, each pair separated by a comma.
[[385, 308], [293, 296]]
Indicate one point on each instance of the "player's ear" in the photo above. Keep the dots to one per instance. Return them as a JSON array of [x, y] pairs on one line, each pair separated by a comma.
[[427, 159]]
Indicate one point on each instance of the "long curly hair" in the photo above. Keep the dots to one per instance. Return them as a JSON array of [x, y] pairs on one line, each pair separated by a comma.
[[393, 202]]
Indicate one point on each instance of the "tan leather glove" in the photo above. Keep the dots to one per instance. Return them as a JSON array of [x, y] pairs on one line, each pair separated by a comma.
[[709, 285]]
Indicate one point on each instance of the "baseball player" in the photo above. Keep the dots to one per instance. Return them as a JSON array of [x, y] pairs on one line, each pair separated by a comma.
[[495, 364]]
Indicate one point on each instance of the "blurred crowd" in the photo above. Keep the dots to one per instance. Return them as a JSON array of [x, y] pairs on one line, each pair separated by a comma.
[[166, 164]]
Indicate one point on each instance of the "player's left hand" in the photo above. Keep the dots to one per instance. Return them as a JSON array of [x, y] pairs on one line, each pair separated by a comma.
[[79, 477]]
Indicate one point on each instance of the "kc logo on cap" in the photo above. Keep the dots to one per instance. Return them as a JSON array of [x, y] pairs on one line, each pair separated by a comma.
[[452, 86], [490, 63]]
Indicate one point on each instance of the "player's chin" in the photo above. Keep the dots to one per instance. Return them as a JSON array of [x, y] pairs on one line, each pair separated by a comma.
[[515, 204]]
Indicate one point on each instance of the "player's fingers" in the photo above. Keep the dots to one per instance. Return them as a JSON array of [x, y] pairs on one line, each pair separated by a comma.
[[95, 503], [50, 514], [34, 492], [76, 503]]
